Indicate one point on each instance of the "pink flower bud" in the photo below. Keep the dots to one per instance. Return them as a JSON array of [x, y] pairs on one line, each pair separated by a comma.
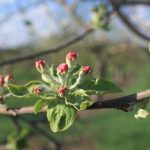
[[36, 90], [8, 77], [62, 68], [2, 81], [39, 64], [71, 56], [87, 70], [1, 98], [62, 91]]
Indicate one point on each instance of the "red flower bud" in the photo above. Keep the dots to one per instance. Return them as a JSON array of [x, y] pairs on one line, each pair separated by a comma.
[[1, 98], [8, 77], [62, 68], [36, 90], [2, 81], [87, 70], [71, 56], [39, 64], [62, 91]]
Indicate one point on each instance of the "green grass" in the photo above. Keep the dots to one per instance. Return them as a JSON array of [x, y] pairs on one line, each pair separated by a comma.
[[119, 131]]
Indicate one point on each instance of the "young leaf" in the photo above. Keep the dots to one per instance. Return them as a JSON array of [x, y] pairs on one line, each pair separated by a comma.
[[94, 86], [39, 105], [100, 17], [30, 86], [45, 78], [60, 116], [141, 114], [72, 74], [17, 90], [27, 89], [75, 69], [53, 71], [79, 99]]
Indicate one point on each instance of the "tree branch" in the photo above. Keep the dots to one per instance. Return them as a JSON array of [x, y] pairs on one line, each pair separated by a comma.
[[125, 2], [135, 2], [19, 111], [52, 50], [121, 103], [127, 22]]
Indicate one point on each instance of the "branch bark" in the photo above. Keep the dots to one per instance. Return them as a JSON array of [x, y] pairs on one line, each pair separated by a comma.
[[120, 103]]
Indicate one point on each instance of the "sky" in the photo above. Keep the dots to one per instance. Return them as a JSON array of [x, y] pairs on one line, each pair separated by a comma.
[[46, 19]]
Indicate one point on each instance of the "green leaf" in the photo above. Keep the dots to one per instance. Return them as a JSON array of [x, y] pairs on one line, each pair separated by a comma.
[[27, 89], [17, 90], [39, 105], [96, 86], [79, 99], [60, 116], [142, 113], [40, 84], [53, 71], [72, 74], [75, 69], [100, 17], [45, 78]]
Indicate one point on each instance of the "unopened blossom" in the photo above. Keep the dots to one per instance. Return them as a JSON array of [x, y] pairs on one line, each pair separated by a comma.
[[87, 70], [62, 68], [62, 91], [71, 56], [36, 90], [40, 64]]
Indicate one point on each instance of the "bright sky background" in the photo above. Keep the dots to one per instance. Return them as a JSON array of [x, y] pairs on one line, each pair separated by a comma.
[[46, 20]]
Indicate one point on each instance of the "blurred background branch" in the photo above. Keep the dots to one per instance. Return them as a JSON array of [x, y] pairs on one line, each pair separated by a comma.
[[52, 50]]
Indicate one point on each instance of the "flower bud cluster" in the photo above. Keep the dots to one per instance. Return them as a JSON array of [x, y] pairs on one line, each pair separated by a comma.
[[63, 74]]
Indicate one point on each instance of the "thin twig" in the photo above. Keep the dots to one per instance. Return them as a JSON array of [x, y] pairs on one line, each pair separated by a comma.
[[127, 22], [133, 2], [16, 123], [20, 111], [117, 103], [42, 132]]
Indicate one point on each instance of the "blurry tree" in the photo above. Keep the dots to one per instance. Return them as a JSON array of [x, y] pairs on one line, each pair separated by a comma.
[[76, 31]]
